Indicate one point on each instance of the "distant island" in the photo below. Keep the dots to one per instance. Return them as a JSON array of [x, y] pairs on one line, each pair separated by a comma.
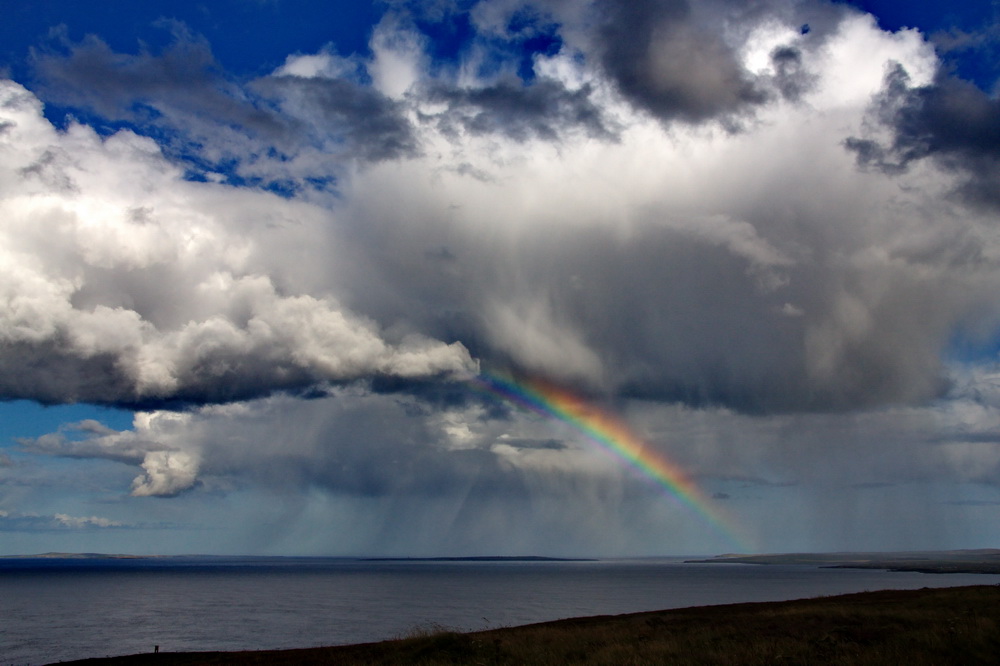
[[982, 560]]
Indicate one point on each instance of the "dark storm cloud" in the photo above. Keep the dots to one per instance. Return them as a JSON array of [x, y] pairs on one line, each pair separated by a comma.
[[53, 372], [383, 468], [950, 120], [372, 124], [44, 372], [535, 444], [970, 438], [544, 109], [791, 78], [697, 328], [184, 79], [696, 311], [183, 89], [435, 394], [665, 61]]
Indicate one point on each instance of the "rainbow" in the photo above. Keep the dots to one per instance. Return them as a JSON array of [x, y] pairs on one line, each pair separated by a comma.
[[610, 433]]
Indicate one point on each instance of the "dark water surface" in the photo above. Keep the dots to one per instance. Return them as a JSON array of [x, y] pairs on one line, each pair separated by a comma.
[[59, 609]]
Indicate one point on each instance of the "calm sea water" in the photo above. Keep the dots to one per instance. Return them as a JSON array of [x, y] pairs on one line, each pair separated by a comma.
[[66, 610]]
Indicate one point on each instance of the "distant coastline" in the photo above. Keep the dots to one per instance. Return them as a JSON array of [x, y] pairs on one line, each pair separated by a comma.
[[480, 558], [78, 556], [469, 558], [109, 561], [977, 561]]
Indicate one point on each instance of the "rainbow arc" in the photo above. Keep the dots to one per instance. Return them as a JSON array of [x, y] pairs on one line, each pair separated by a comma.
[[609, 432]]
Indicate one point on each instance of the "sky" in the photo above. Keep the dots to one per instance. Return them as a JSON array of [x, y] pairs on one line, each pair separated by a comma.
[[554, 277]]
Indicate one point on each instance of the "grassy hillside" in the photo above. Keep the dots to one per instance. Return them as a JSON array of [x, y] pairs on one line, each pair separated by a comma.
[[929, 626]]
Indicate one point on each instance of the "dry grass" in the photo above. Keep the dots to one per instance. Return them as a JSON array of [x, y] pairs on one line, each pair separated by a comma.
[[939, 626]]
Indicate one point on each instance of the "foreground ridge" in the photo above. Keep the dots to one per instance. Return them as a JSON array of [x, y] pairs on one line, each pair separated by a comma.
[[927, 626]]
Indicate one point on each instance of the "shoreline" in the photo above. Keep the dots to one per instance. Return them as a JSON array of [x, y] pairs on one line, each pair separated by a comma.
[[941, 625]]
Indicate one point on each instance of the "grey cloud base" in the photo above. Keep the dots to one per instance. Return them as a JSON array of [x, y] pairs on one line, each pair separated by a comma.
[[389, 476]]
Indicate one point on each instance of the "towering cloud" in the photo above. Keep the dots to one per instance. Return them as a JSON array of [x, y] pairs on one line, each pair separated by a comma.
[[125, 283], [556, 226], [665, 60]]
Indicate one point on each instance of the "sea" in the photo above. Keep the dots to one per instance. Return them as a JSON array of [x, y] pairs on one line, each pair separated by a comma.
[[60, 609]]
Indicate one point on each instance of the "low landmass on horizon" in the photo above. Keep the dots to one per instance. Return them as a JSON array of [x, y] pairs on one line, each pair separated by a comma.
[[981, 560], [470, 558]]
